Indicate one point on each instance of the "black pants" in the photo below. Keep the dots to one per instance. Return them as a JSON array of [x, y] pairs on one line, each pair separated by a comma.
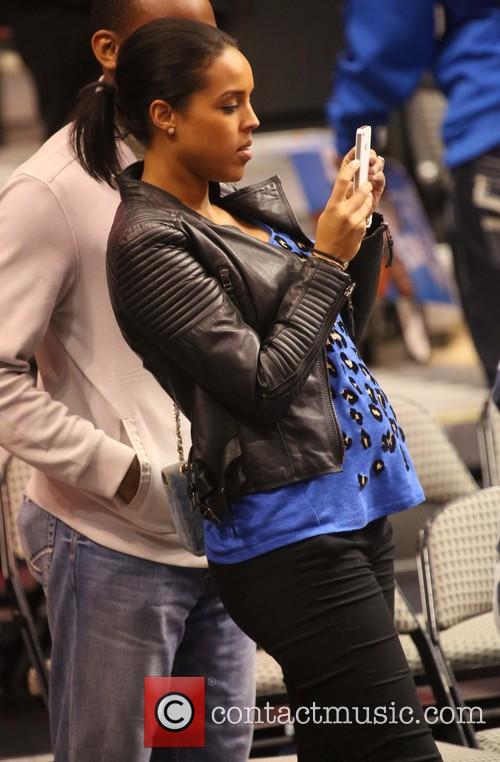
[[323, 608], [476, 252]]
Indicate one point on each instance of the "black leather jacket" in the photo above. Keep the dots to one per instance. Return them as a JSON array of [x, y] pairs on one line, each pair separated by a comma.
[[234, 330]]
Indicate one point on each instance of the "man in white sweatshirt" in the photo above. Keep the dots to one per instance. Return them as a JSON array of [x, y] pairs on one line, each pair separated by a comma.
[[124, 599]]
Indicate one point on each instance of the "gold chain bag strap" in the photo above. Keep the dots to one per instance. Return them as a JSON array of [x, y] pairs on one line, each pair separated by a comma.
[[187, 519]]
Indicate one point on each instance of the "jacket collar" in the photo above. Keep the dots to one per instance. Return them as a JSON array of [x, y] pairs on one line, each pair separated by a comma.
[[264, 200]]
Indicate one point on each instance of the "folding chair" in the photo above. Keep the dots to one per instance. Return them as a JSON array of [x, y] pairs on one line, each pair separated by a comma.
[[456, 566], [489, 444], [269, 678], [427, 666], [441, 471], [13, 478]]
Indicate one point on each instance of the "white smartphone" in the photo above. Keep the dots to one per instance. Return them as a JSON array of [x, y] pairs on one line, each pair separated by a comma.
[[362, 153]]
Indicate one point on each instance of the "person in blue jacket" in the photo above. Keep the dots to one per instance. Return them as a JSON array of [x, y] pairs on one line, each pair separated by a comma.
[[383, 61]]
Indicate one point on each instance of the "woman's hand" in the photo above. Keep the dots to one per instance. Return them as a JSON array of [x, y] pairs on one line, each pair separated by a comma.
[[376, 177], [375, 174], [342, 224]]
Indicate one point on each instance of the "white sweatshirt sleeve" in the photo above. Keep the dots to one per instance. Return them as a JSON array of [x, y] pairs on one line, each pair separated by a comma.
[[38, 265]]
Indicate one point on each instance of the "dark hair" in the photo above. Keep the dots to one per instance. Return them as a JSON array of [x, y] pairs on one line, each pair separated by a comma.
[[115, 15], [165, 60]]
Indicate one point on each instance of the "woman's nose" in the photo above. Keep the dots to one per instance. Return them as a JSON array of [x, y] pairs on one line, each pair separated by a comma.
[[252, 121]]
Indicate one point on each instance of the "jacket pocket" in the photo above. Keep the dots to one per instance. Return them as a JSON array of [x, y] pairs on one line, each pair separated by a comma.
[[133, 439], [149, 508], [37, 530]]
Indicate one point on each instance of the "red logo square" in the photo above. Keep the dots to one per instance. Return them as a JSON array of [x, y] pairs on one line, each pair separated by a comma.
[[174, 712]]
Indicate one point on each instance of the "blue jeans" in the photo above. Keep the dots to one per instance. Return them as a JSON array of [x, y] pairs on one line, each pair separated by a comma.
[[114, 619]]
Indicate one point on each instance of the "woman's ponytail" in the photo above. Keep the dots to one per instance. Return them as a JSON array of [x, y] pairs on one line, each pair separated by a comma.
[[165, 59], [94, 131]]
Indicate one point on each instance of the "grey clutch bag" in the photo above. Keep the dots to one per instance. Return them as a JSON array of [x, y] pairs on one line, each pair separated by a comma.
[[186, 516]]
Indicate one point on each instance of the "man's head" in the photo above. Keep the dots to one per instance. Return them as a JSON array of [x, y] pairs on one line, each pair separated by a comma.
[[114, 20]]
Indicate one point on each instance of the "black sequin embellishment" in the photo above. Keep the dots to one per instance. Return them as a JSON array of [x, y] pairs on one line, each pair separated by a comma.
[[371, 393], [351, 397], [283, 243], [407, 465], [347, 441], [338, 339], [351, 364], [331, 368], [356, 416], [376, 412], [354, 384], [388, 442], [365, 439], [362, 481]]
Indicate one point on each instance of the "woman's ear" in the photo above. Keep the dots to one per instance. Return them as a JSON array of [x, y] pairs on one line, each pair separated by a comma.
[[105, 46], [162, 116]]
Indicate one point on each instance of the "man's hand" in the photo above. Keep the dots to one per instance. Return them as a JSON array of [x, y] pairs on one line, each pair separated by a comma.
[[130, 482]]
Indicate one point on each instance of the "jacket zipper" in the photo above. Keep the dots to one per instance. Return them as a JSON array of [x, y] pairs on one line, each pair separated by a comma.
[[225, 278], [339, 449], [340, 439], [390, 244], [350, 311]]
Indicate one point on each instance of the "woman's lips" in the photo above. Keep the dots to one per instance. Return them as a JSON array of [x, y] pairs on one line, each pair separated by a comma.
[[245, 152]]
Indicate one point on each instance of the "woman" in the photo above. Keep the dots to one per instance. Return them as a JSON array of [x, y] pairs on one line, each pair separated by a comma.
[[297, 456]]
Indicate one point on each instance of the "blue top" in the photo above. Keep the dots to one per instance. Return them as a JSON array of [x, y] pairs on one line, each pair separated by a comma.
[[377, 477], [387, 53]]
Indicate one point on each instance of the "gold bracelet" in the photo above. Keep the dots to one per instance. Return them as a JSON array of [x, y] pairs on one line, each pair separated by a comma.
[[330, 259]]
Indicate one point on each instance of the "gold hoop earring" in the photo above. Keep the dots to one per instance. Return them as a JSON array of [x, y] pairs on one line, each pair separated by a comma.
[[171, 131]]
